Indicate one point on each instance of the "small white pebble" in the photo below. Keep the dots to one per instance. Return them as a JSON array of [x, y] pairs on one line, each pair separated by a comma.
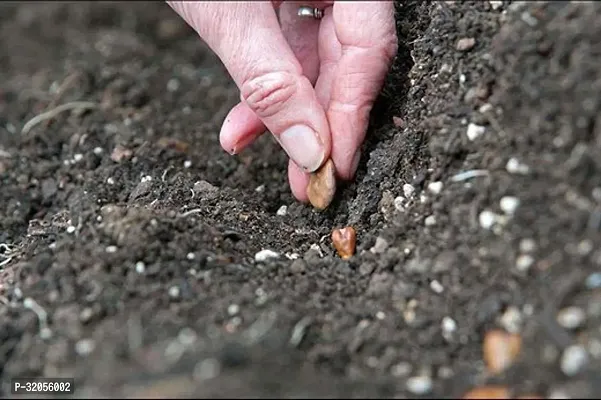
[[524, 262], [110, 181], [174, 292], [448, 325], [573, 359], [527, 245], [187, 164], [419, 385], [283, 210], [84, 347], [140, 267], [509, 204], [380, 246], [487, 219], [265, 254], [430, 220], [401, 369], [423, 198], [173, 85], [514, 166], [111, 249], [436, 286], [190, 256], [408, 190], [511, 320], [70, 229], [593, 281], [407, 250], [98, 150], [484, 108], [474, 131], [233, 309], [146, 178], [435, 187], [380, 315], [292, 256], [260, 189], [571, 317], [77, 157], [495, 4], [399, 203]]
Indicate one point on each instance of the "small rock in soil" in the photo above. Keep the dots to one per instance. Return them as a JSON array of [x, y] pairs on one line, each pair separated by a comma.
[[408, 190], [282, 211], [419, 385], [265, 255], [380, 246], [509, 204], [474, 131], [573, 360], [514, 166], [571, 317], [524, 262], [204, 189], [435, 187], [465, 44]]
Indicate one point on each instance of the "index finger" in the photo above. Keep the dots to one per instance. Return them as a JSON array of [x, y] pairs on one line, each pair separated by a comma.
[[367, 34]]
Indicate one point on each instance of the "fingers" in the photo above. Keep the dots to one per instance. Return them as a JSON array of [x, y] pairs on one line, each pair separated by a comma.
[[247, 38], [330, 51], [367, 34], [242, 127]]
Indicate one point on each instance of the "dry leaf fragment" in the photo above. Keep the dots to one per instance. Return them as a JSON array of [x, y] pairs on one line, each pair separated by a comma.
[[488, 392], [500, 350], [322, 186], [344, 240]]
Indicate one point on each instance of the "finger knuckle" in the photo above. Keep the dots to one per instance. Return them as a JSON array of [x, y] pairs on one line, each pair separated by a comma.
[[268, 94]]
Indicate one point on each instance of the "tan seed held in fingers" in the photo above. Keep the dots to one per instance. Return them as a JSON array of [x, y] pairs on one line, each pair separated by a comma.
[[344, 241], [500, 350], [322, 186]]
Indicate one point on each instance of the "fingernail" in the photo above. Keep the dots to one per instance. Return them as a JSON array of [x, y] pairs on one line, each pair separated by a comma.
[[355, 163], [303, 146]]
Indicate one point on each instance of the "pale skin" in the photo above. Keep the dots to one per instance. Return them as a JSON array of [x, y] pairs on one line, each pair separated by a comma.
[[311, 83]]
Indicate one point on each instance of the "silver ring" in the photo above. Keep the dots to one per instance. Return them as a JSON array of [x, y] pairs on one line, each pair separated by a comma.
[[306, 11]]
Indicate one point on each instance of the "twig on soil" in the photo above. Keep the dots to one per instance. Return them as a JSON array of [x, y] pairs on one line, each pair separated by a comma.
[[54, 112]]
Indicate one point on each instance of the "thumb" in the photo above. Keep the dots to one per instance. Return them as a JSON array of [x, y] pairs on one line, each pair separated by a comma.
[[247, 38]]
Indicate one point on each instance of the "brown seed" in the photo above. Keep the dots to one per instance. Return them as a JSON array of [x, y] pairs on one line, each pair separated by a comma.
[[488, 392], [500, 350], [322, 186], [344, 240]]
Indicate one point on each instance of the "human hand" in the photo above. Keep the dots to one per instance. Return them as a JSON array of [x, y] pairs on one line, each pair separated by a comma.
[[311, 83]]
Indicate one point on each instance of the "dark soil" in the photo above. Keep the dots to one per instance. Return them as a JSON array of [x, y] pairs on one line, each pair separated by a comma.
[[150, 287]]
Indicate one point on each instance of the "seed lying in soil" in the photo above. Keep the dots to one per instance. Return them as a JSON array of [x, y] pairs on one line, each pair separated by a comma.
[[344, 241], [500, 350], [322, 186]]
